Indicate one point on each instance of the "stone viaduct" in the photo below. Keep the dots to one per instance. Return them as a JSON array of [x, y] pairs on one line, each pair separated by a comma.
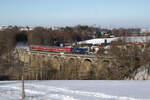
[[83, 62]]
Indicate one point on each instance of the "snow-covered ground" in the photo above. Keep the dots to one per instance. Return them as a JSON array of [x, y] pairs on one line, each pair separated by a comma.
[[109, 40], [76, 90]]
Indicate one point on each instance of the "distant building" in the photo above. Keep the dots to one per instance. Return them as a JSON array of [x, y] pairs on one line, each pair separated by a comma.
[[55, 28], [3, 27], [145, 30], [25, 28], [20, 28]]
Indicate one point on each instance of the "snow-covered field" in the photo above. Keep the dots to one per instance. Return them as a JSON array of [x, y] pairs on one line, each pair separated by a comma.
[[76, 90], [109, 40]]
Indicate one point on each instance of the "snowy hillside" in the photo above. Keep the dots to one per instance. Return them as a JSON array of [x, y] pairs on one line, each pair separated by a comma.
[[109, 40], [76, 90]]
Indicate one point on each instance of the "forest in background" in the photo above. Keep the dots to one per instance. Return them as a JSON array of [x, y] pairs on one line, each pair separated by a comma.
[[131, 58]]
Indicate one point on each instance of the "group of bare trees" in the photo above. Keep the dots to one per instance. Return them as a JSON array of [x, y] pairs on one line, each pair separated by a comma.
[[47, 36], [8, 40], [129, 59], [126, 59]]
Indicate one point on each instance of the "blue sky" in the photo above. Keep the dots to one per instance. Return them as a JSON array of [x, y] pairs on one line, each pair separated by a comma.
[[104, 13]]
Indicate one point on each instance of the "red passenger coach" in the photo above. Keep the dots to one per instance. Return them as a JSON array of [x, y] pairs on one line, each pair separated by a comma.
[[31, 47], [60, 49], [36, 47], [50, 49], [68, 50]]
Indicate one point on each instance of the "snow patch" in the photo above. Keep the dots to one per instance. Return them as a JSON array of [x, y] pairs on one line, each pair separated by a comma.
[[84, 93], [73, 90]]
